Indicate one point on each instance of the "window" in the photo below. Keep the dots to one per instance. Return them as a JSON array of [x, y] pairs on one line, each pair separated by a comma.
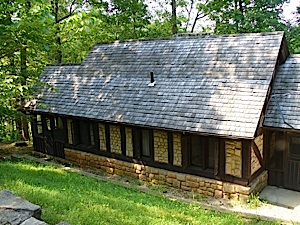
[[39, 124], [146, 143], [84, 134], [48, 124], [203, 151], [295, 148], [91, 134], [197, 151], [143, 143], [58, 130], [58, 123]]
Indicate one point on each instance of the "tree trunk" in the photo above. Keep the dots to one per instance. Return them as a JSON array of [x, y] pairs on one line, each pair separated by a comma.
[[174, 17], [22, 123]]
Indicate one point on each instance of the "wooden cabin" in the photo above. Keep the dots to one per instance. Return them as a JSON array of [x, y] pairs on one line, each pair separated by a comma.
[[282, 126], [185, 111]]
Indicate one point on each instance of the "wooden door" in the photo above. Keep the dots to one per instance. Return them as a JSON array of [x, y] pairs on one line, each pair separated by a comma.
[[276, 155], [48, 136], [59, 137], [292, 176]]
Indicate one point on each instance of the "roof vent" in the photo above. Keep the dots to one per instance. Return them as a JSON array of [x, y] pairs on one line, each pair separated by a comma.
[[152, 81]]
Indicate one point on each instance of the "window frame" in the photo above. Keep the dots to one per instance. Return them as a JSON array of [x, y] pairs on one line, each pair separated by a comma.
[[205, 151], [81, 137], [138, 143]]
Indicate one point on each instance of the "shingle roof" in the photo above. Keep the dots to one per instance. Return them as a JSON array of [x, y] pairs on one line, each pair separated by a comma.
[[214, 84], [286, 91]]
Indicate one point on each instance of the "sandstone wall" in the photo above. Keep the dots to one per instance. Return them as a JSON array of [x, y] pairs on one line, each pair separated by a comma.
[[205, 186], [177, 150], [129, 145], [255, 165], [233, 158], [160, 146], [102, 137], [115, 139]]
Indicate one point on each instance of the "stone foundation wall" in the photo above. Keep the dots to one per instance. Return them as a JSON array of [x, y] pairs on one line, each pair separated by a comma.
[[205, 186], [255, 165], [102, 137], [115, 139], [160, 146], [177, 150], [129, 145], [233, 160]]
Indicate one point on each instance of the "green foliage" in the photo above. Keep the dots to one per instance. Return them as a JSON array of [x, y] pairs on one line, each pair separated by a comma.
[[254, 201], [66, 196], [244, 16], [293, 34]]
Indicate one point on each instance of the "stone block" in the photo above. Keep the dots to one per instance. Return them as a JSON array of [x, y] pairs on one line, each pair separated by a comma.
[[154, 181], [192, 184], [219, 187], [171, 174], [243, 198], [192, 178], [180, 177], [109, 170], [226, 195], [154, 171], [142, 177], [176, 183], [15, 210], [33, 221], [218, 194], [161, 177], [185, 188], [214, 186], [169, 180], [209, 193], [228, 188], [211, 190], [242, 190], [137, 166], [234, 196], [207, 184]]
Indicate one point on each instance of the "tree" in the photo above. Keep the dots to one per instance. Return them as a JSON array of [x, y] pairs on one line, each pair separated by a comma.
[[244, 16], [293, 33], [23, 32]]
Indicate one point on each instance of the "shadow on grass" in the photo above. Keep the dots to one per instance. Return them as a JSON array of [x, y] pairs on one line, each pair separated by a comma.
[[78, 199]]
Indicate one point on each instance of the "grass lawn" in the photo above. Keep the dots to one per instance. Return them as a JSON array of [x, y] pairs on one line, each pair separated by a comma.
[[77, 199]]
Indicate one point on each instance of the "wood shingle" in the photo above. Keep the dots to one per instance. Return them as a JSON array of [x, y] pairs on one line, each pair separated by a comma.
[[213, 85]]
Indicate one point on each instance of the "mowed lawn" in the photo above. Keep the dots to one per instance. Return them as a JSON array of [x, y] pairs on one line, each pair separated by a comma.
[[77, 199]]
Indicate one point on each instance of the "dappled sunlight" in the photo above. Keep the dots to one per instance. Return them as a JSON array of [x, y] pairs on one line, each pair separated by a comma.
[[83, 200], [37, 167]]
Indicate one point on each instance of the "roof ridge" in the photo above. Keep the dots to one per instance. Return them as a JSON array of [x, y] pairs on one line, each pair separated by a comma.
[[193, 35], [64, 64]]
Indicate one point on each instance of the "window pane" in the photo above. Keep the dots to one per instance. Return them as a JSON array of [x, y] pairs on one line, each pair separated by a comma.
[[39, 124], [295, 148], [48, 124], [213, 145], [92, 140], [145, 142], [58, 123], [197, 152]]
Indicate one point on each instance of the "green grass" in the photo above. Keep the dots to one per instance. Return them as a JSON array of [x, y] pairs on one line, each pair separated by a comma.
[[77, 199]]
